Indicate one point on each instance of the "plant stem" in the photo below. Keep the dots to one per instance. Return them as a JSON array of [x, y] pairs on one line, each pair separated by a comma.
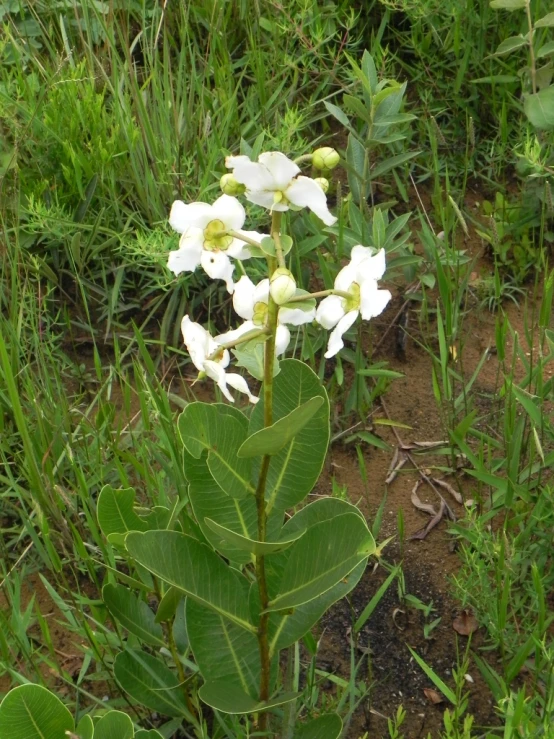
[[242, 237], [320, 294], [248, 336], [532, 62], [269, 362]]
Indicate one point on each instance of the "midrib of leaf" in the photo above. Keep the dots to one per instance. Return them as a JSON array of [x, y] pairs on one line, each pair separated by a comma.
[[235, 474], [39, 732], [277, 487], [236, 661], [160, 690]]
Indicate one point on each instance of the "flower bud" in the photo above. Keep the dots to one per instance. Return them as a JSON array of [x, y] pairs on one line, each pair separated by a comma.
[[325, 158], [323, 182], [282, 286], [230, 186]]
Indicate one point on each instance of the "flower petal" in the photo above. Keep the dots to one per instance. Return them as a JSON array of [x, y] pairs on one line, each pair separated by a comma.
[[372, 268], [238, 382], [265, 199], [199, 214], [282, 339], [296, 316], [178, 219], [345, 278], [229, 210], [243, 297], [229, 337], [372, 300], [218, 266], [330, 311], [306, 193], [335, 339], [187, 257], [359, 253], [281, 167], [218, 375], [234, 161], [261, 293], [254, 176], [196, 340]]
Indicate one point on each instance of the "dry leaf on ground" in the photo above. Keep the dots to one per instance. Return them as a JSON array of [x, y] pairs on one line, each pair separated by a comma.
[[465, 624]]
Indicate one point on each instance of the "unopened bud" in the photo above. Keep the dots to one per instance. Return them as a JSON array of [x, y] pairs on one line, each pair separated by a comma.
[[325, 158], [323, 182], [282, 286], [230, 186]]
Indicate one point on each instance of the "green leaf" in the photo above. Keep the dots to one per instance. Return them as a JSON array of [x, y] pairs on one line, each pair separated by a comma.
[[33, 712], [327, 552], [392, 162], [272, 439], [267, 245], [432, 675], [546, 50], [150, 682], [251, 357], [337, 113], [251, 545], [210, 426], [511, 44], [546, 21], [231, 699], [133, 614], [116, 513], [539, 108], [305, 305], [151, 734], [356, 166], [196, 570], [85, 727], [114, 725], [328, 726], [209, 501], [168, 605], [294, 470], [222, 650], [508, 4]]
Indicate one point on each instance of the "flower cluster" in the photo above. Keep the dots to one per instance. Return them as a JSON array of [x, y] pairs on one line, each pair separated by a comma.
[[213, 236]]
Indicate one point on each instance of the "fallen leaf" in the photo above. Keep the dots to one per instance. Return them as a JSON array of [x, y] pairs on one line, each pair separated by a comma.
[[446, 486], [398, 461], [465, 624], [425, 507], [396, 618], [433, 696], [422, 533]]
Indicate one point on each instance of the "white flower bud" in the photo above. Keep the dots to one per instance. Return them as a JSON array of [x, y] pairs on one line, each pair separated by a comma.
[[282, 286], [325, 158], [323, 182], [230, 186]]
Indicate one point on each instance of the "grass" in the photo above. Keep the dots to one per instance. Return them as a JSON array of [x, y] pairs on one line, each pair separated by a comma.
[[110, 111]]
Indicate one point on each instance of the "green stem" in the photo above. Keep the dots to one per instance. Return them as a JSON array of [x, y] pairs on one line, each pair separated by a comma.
[[532, 60], [248, 336], [320, 294], [242, 237], [269, 363], [303, 158]]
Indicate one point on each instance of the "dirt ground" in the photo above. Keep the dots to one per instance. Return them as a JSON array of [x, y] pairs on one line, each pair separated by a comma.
[[388, 667]]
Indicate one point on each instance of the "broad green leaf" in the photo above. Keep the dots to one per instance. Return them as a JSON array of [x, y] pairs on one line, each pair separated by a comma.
[[168, 605], [511, 44], [33, 712], [150, 682], [337, 113], [546, 21], [272, 439], [508, 4], [209, 501], [539, 108], [204, 426], [327, 552], [231, 699], [114, 725], [251, 357], [180, 635], [328, 726], [158, 518], [222, 650], [196, 570], [251, 545], [323, 509], [116, 513], [151, 734], [267, 245], [133, 614], [294, 470], [85, 728], [546, 50]]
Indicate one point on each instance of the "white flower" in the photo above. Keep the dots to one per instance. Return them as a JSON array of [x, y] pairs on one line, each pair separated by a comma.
[[201, 345], [250, 302], [359, 278], [205, 239], [272, 182]]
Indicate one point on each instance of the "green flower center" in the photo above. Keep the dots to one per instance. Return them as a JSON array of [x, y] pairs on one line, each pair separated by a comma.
[[353, 302], [260, 314], [216, 237]]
